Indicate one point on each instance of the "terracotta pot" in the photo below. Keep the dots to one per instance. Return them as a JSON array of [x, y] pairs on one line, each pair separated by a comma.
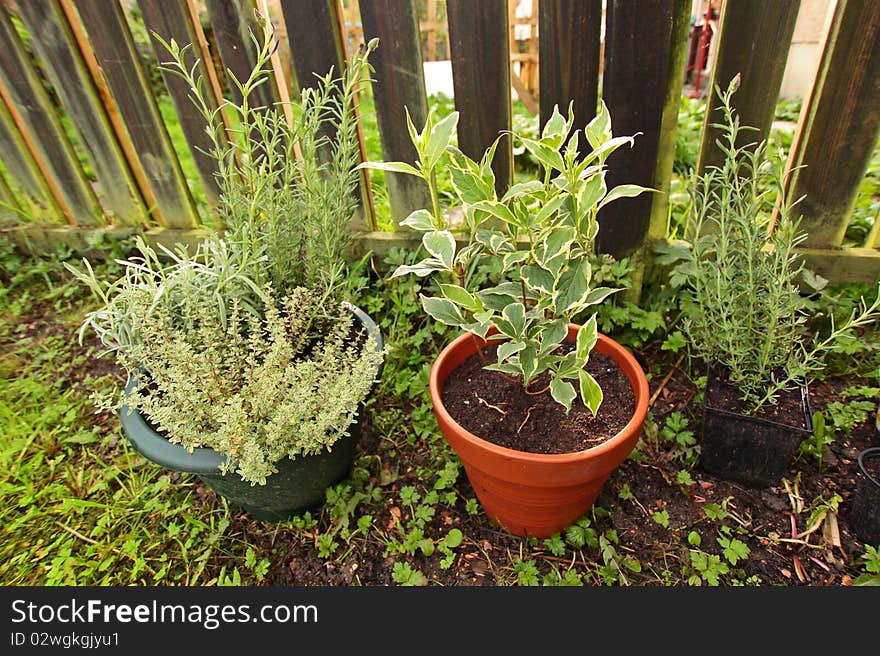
[[531, 493]]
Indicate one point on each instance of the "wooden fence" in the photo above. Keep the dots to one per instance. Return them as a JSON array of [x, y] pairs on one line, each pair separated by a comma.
[[86, 149]]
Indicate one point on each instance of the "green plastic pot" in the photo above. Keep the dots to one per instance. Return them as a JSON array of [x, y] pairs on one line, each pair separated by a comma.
[[299, 484]]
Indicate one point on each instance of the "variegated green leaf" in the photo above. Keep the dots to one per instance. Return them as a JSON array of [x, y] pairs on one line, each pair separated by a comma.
[[440, 244], [497, 209], [528, 360], [426, 267], [555, 129], [598, 295], [503, 367], [537, 278], [515, 313], [443, 310], [509, 348], [622, 191], [598, 130], [440, 137], [549, 209], [562, 392], [392, 167], [572, 288], [553, 334], [591, 393], [461, 296], [547, 156], [587, 337], [419, 220]]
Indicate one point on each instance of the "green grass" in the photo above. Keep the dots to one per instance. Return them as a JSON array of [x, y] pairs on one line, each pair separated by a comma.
[[79, 507]]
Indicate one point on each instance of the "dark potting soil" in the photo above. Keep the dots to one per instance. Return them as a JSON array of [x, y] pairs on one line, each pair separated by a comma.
[[496, 408], [788, 410]]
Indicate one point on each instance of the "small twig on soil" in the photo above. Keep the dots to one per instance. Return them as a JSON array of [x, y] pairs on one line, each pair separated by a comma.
[[528, 414], [540, 391], [489, 405], [557, 559], [665, 380]]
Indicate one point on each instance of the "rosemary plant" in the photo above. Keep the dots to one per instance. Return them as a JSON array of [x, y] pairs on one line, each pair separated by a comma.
[[541, 232], [745, 314]]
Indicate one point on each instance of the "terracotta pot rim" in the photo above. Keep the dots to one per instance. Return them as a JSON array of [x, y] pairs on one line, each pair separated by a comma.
[[611, 348]]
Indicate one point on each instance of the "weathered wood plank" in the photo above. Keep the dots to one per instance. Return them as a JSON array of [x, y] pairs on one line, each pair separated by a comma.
[[10, 210], [478, 43], [399, 84], [644, 69], [66, 70], [31, 111], [754, 39], [840, 125], [171, 20], [844, 264], [124, 76], [569, 58], [25, 179], [235, 26]]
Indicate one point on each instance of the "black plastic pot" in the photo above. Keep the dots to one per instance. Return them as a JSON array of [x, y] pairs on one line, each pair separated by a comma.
[[749, 450], [299, 484], [865, 511]]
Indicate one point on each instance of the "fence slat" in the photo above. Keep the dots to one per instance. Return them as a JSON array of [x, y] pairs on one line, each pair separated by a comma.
[[26, 180], [31, 110], [9, 207], [644, 70], [171, 20], [66, 70], [124, 76], [570, 32], [839, 126], [233, 23], [399, 83], [478, 42], [754, 37]]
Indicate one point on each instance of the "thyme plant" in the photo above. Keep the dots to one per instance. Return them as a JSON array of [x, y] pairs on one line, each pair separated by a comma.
[[541, 232], [245, 345], [744, 311]]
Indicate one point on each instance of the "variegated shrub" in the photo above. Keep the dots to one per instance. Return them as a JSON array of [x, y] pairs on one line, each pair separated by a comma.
[[542, 232]]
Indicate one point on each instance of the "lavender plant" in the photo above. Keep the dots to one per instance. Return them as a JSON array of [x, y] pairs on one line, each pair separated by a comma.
[[246, 345], [541, 232]]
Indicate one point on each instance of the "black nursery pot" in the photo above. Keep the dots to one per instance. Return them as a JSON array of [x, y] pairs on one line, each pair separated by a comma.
[[749, 450], [865, 511], [298, 485]]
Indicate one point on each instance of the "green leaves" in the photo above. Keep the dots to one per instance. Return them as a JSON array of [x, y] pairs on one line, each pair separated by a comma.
[[439, 138], [538, 239], [622, 191], [440, 244], [392, 167], [591, 393], [419, 220], [562, 392], [443, 310]]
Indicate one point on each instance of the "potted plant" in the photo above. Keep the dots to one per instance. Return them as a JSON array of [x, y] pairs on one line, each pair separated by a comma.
[[540, 409], [865, 511], [247, 364], [745, 316]]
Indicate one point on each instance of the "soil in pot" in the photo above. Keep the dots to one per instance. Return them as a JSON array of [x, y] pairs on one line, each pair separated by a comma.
[[498, 409], [756, 450]]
